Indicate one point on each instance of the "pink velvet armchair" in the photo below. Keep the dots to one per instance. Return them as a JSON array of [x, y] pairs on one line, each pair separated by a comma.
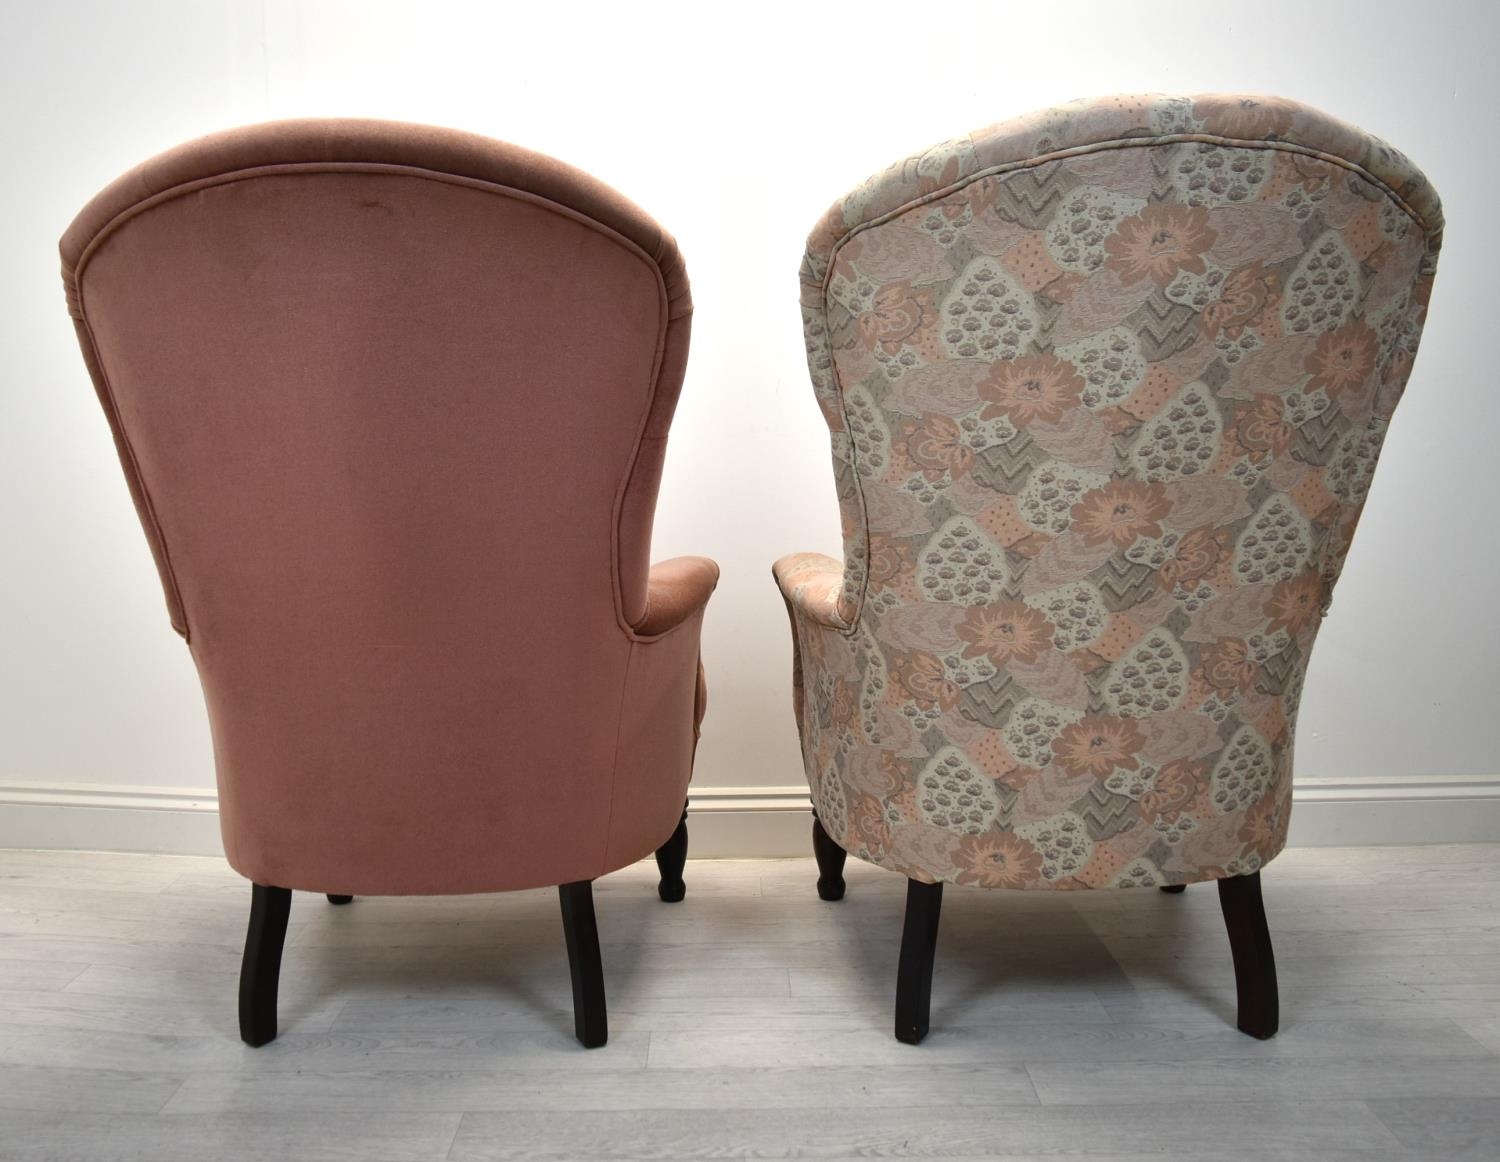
[[1106, 386], [392, 402]]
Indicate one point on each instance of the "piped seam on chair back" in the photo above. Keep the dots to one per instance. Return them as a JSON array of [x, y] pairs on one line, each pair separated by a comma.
[[73, 290], [1432, 232]]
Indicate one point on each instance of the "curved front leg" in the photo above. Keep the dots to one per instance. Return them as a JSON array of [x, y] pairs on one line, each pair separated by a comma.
[[1254, 962], [260, 970], [924, 904], [590, 1020]]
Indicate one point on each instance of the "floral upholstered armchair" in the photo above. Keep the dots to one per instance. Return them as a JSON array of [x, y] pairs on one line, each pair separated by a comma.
[[1106, 386]]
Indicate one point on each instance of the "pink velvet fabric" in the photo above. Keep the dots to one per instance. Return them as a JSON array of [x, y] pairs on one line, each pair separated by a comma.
[[392, 402]]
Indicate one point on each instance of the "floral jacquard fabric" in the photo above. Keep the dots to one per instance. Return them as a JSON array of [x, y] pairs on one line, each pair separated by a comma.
[[1106, 387]]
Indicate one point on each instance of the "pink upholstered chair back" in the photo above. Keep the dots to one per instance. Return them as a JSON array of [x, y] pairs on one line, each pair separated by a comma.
[[1106, 385], [393, 402]]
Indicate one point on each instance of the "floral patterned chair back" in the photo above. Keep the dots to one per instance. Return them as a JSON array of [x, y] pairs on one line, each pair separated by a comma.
[[1106, 385]]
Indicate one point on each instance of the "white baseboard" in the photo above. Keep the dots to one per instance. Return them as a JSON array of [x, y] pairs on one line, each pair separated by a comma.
[[1329, 812], [738, 822], [107, 817]]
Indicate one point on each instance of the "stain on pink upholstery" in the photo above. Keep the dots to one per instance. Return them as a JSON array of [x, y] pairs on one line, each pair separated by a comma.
[[392, 402]]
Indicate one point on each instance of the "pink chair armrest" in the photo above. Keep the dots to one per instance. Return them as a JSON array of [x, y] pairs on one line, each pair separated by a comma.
[[675, 590]]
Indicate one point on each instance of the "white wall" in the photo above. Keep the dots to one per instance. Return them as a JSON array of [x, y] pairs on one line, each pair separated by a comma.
[[735, 125]]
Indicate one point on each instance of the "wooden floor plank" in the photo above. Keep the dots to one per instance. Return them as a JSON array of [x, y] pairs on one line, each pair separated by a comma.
[[156, 1016], [34, 975], [1437, 1127], [924, 1087], [1485, 1029], [1229, 1079], [93, 1090], [994, 1131], [296, 1051], [371, 1136], [959, 1040]]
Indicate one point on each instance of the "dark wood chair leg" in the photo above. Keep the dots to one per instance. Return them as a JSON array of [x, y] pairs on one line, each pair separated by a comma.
[[590, 1021], [261, 968], [924, 902], [1174, 889], [1254, 963], [671, 858], [830, 858], [340, 899]]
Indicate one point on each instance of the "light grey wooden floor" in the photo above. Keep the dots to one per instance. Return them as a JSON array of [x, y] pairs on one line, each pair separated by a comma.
[[752, 1020]]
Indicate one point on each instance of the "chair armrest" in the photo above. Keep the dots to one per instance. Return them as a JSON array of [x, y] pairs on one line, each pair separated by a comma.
[[675, 590], [811, 584]]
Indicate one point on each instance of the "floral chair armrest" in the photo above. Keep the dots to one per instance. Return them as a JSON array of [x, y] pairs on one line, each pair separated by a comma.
[[811, 584]]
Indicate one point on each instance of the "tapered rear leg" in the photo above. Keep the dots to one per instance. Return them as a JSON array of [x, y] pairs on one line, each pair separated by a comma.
[[260, 970], [924, 903], [1174, 889], [340, 899], [1254, 962], [830, 857], [671, 858], [590, 1021]]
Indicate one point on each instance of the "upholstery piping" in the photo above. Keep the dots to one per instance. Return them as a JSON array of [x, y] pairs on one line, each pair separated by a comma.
[[73, 286], [1430, 232]]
